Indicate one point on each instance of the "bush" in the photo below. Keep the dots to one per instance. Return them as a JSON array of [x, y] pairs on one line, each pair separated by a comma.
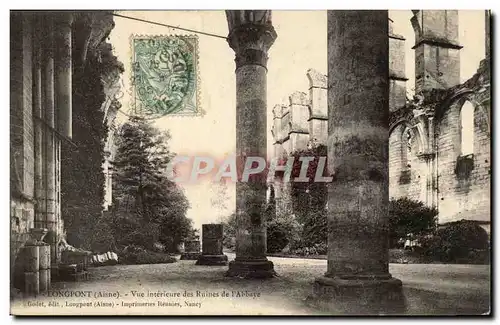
[[137, 255], [276, 238], [458, 242], [316, 249], [281, 231], [408, 216]]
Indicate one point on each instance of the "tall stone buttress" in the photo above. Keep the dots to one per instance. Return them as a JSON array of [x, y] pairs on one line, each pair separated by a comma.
[[397, 75], [251, 34], [357, 278], [437, 49]]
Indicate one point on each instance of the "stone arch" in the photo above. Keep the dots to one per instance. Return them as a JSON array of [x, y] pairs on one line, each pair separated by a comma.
[[393, 126], [420, 135], [483, 107], [417, 131], [464, 96]]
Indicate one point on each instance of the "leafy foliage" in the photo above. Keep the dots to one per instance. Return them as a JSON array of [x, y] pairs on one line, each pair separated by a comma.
[[82, 177], [229, 231], [149, 208], [310, 199], [408, 216], [138, 255], [456, 242], [282, 229]]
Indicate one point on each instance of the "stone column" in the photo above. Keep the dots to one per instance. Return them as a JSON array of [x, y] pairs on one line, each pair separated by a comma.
[[211, 246], [251, 34], [63, 72], [39, 128], [50, 137], [358, 279]]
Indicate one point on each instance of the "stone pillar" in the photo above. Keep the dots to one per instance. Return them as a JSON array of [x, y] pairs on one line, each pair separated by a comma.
[[358, 279], [251, 34], [39, 127], [212, 246], [191, 250], [63, 72], [50, 136]]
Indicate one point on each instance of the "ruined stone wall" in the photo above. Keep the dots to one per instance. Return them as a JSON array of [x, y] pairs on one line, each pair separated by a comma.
[[303, 120], [407, 168], [462, 194], [21, 132], [462, 186], [298, 125], [38, 131], [440, 175]]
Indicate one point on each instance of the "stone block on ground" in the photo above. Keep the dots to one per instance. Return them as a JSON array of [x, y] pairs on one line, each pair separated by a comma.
[[212, 246], [190, 256]]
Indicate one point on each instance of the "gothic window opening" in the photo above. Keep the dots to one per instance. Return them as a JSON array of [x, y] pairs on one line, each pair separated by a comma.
[[465, 161], [467, 129], [406, 153], [407, 141]]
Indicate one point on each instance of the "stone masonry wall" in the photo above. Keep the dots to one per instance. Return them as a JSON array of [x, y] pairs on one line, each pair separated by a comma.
[[464, 197], [21, 133], [409, 171], [461, 193]]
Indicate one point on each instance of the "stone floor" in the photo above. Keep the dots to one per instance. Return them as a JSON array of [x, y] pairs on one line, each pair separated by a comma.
[[429, 289]]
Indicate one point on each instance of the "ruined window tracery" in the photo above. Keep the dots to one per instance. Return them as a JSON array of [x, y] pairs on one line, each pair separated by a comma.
[[467, 129], [407, 141]]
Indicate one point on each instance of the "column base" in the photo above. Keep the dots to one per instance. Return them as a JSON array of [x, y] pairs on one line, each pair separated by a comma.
[[359, 296], [212, 260], [251, 269], [190, 256], [54, 273]]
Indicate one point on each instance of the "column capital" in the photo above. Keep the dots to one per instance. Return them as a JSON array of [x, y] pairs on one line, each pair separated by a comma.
[[251, 42], [63, 19]]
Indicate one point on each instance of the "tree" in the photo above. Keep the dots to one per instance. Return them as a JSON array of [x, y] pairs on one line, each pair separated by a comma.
[[229, 231], [219, 197], [149, 207], [407, 216]]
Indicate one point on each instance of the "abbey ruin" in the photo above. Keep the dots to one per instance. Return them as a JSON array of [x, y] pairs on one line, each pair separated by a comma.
[[439, 143]]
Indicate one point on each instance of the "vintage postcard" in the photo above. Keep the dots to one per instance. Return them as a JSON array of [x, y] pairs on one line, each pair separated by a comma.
[[250, 162]]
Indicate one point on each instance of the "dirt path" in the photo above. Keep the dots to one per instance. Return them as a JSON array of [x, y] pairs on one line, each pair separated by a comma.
[[184, 288]]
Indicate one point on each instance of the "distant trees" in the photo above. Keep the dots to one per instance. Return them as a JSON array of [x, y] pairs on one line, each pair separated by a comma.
[[148, 207], [229, 231]]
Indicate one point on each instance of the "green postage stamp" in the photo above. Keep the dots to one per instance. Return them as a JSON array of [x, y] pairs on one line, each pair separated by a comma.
[[165, 75]]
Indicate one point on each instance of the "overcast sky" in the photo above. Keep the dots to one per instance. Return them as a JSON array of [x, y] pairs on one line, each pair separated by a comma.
[[301, 44]]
